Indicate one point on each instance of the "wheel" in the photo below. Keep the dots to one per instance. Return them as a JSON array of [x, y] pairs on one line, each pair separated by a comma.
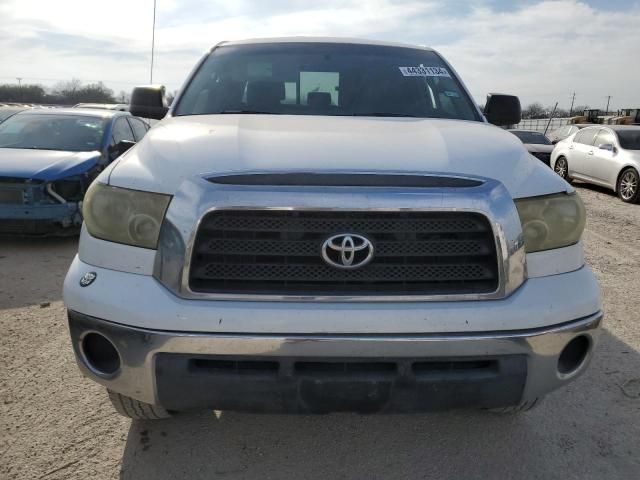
[[132, 408], [561, 167], [522, 407], [629, 186]]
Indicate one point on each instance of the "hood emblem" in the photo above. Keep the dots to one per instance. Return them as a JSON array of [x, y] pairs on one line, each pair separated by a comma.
[[87, 279], [347, 251]]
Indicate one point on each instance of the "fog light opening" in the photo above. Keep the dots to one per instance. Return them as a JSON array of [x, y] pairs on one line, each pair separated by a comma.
[[100, 355], [573, 355]]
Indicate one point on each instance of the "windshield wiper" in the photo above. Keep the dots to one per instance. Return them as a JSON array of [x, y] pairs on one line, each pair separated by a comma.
[[384, 114]]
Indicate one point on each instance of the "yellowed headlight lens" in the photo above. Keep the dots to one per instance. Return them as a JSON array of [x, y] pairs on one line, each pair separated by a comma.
[[551, 221], [124, 216]]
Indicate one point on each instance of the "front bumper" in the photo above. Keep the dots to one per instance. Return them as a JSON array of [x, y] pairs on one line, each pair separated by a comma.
[[322, 373], [40, 219]]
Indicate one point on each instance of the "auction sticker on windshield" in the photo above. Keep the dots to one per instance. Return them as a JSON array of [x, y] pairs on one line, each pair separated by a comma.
[[424, 71]]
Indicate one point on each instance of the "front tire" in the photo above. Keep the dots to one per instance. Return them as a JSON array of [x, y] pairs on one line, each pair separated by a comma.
[[132, 408], [520, 408], [561, 167], [628, 187]]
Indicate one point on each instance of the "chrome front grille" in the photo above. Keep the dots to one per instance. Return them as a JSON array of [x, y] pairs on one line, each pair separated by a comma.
[[278, 252]]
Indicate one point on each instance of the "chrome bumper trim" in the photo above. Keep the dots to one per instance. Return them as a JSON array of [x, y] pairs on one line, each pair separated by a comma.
[[138, 347]]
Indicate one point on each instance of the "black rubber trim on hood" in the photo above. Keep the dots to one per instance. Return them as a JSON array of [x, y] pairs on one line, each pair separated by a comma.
[[345, 180]]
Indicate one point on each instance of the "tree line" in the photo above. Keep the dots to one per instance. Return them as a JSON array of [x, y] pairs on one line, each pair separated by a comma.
[[63, 93], [74, 91], [537, 110]]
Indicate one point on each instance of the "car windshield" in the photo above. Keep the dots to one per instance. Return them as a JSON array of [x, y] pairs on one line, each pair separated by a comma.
[[326, 79], [532, 137], [7, 112], [629, 139], [75, 133]]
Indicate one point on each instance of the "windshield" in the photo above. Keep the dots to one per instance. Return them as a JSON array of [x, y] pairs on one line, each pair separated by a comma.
[[75, 133], [629, 139], [532, 137], [7, 112], [326, 79]]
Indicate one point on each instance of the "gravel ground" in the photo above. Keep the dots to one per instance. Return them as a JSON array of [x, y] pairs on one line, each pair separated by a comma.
[[54, 424]]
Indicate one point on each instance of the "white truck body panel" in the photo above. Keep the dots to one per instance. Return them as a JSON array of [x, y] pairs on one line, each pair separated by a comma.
[[181, 147]]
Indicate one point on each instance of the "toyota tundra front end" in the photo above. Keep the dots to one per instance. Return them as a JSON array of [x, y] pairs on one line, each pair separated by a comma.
[[323, 225]]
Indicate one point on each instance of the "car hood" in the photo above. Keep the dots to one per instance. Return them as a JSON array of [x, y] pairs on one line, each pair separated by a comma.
[[45, 165], [181, 147], [538, 148]]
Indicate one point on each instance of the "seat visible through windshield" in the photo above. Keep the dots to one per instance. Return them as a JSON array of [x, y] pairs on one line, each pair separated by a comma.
[[326, 79]]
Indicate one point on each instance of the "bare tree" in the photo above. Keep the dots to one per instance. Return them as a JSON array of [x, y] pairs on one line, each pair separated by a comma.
[[535, 110], [67, 88]]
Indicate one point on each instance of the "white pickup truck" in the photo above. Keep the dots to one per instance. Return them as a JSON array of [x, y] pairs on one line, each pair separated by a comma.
[[321, 225]]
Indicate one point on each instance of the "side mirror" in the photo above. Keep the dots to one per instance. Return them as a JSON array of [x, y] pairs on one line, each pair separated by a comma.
[[502, 109], [149, 102]]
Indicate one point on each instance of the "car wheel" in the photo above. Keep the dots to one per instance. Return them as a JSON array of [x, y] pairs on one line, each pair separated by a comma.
[[132, 408], [561, 167], [629, 186]]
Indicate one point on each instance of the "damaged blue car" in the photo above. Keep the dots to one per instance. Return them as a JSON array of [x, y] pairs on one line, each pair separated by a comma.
[[48, 159]]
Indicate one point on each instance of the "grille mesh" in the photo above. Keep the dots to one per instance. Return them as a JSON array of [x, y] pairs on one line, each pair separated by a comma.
[[275, 252], [11, 196]]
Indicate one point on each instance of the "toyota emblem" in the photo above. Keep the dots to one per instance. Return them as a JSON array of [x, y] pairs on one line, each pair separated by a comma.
[[347, 251]]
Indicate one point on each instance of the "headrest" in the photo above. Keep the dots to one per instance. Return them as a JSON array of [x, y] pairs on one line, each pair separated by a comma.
[[319, 99], [260, 92]]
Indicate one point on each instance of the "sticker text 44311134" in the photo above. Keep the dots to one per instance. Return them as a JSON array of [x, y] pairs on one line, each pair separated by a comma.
[[424, 71]]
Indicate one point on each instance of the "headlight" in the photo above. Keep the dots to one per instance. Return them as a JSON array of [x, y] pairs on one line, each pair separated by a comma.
[[124, 216], [551, 221]]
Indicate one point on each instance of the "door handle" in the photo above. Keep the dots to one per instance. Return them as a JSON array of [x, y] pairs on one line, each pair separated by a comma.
[[571, 147], [590, 153]]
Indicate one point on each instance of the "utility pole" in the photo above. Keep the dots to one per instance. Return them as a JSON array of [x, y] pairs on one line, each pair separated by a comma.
[[573, 99], [606, 112], [551, 118], [19, 86], [153, 41]]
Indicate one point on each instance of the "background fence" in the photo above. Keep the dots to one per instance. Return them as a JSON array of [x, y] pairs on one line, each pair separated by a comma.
[[539, 124]]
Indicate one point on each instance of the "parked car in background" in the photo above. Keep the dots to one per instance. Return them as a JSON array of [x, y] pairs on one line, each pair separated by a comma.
[[325, 225], [48, 158], [607, 156], [536, 143], [7, 112], [566, 131], [123, 107]]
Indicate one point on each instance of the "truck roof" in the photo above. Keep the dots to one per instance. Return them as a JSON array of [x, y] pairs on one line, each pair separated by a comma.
[[346, 40]]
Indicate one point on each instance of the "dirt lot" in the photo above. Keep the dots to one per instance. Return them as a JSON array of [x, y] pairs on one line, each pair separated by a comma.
[[54, 424]]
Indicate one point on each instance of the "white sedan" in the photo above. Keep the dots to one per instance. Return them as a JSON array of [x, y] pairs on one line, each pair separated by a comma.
[[608, 156]]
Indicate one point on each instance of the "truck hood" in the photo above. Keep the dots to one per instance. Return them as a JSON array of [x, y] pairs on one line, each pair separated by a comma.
[[45, 165], [181, 147]]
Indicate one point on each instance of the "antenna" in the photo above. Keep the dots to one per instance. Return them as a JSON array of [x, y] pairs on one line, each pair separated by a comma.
[[153, 41]]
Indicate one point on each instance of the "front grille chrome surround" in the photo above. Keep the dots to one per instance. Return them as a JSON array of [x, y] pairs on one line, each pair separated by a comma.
[[198, 197], [278, 252]]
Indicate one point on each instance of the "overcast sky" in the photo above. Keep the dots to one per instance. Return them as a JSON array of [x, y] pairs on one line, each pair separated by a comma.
[[539, 50]]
